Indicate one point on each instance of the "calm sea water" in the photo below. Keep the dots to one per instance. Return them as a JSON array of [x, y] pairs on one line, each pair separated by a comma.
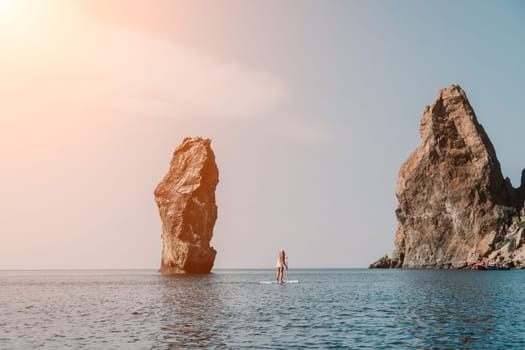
[[351, 308]]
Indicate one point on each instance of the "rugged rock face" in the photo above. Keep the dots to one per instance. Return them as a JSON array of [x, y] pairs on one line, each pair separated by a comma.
[[455, 208], [186, 201], [382, 263]]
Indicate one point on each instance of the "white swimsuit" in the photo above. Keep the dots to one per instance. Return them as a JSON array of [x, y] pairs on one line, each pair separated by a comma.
[[279, 264]]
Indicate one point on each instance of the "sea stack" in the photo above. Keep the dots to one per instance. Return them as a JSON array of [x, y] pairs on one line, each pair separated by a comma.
[[186, 201], [455, 208]]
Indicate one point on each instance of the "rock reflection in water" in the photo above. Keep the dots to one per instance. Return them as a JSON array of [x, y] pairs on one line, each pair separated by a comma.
[[451, 309], [193, 312]]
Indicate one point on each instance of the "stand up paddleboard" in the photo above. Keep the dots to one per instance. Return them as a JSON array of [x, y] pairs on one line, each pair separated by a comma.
[[286, 281], [275, 282]]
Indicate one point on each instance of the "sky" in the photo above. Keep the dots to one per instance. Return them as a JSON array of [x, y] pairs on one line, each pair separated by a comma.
[[311, 107]]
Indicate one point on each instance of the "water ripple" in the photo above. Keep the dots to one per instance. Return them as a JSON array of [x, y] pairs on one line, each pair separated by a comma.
[[328, 309]]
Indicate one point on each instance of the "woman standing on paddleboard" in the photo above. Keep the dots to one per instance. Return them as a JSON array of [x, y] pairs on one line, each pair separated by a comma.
[[281, 264]]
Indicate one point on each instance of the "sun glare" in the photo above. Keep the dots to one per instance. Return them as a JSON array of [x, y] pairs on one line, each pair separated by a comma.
[[10, 11], [19, 16]]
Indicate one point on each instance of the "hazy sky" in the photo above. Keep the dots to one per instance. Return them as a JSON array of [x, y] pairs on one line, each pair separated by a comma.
[[312, 106]]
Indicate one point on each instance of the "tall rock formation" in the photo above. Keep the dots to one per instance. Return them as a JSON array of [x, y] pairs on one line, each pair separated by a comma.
[[186, 201], [455, 208]]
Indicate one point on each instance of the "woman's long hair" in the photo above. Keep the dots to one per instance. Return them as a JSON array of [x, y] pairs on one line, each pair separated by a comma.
[[282, 256]]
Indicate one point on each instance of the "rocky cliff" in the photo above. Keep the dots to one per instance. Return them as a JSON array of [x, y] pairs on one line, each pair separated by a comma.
[[186, 201], [455, 208]]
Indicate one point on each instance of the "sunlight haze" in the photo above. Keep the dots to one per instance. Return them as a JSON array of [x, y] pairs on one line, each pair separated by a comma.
[[311, 107]]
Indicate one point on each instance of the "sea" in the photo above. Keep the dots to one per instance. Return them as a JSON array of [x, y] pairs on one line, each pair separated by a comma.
[[230, 309]]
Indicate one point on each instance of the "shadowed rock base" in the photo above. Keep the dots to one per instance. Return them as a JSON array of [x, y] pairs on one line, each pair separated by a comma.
[[382, 263]]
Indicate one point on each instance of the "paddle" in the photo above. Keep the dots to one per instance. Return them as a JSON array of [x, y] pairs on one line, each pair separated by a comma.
[[286, 259]]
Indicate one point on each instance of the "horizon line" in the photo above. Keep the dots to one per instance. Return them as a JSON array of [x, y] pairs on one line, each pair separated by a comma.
[[151, 268]]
